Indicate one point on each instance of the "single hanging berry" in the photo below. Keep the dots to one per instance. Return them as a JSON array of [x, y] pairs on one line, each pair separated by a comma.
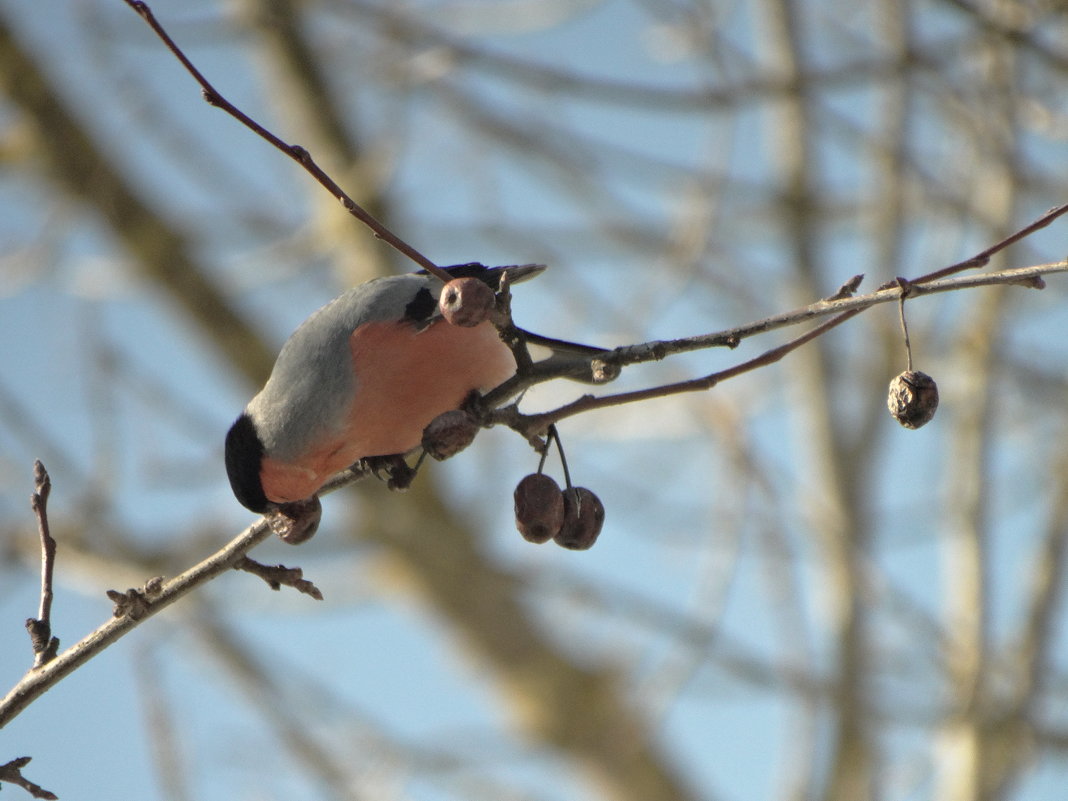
[[913, 398]]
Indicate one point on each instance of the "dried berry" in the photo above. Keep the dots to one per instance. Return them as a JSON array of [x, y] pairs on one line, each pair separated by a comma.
[[449, 433], [466, 302], [602, 372], [583, 518], [297, 521], [913, 398], [539, 508]]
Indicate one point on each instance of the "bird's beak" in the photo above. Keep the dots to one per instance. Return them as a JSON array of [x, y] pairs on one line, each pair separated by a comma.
[[522, 272]]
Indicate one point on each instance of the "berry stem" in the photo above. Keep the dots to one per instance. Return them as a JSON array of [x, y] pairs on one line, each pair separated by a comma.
[[554, 436], [906, 287]]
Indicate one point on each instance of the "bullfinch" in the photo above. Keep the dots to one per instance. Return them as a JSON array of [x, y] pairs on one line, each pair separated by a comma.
[[362, 377]]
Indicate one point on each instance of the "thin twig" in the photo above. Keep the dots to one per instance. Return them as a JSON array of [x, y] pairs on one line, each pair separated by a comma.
[[982, 258], [295, 152], [278, 576], [12, 772], [40, 628], [533, 424], [659, 349], [554, 437], [40, 679], [906, 290], [144, 603]]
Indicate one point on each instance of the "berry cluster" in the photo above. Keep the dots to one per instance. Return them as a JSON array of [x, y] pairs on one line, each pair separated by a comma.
[[572, 518]]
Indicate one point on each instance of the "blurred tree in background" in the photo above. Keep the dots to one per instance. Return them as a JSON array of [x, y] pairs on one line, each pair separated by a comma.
[[792, 598]]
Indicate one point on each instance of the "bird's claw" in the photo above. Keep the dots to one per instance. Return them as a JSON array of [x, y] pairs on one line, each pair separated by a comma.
[[391, 469]]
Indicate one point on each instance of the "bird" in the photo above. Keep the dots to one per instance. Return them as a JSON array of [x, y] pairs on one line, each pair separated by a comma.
[[363, 376]]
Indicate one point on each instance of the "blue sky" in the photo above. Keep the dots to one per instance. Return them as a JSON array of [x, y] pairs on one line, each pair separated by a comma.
[[710, 560]]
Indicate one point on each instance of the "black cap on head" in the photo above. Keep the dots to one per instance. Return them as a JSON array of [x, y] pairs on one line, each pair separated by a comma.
[[244, 456]]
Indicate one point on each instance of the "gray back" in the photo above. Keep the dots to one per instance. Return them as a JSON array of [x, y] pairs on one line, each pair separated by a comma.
[[312, 385]]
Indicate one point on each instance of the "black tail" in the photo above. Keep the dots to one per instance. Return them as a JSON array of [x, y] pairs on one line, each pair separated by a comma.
[[570, 354]]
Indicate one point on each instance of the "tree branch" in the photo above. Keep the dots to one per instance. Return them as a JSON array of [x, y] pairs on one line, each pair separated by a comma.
[[40, 628], [163, 254], [12, 772], [844, 308], [40, 679], [295, 152], [141, 605]]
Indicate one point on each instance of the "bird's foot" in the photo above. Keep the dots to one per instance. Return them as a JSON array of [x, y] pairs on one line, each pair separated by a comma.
[[391, 469]]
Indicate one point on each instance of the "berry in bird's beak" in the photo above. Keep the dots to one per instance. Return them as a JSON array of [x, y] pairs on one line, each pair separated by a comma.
[[466, 302]]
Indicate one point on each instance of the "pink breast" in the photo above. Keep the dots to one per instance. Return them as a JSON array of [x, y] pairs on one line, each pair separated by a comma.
[[404, 379]]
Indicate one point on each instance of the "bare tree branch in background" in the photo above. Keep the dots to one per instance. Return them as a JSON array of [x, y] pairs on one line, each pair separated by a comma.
[[901, 611], [76, 165]]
